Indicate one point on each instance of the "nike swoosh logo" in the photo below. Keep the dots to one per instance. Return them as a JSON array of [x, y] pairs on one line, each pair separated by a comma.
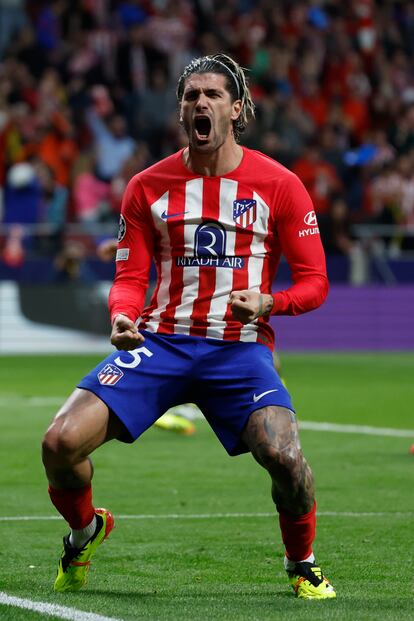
[[262, 394], [165, 215]]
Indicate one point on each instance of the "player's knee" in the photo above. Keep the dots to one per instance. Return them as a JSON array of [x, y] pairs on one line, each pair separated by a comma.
[[275, 458], [60, 444]]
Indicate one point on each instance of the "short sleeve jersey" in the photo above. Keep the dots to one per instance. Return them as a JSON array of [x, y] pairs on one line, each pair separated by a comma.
[[210, 236]]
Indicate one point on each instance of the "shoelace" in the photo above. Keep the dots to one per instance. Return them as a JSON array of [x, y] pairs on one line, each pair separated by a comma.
[[71, 552]]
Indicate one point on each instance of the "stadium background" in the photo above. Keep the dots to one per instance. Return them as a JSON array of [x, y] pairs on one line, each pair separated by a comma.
[[87, 99]]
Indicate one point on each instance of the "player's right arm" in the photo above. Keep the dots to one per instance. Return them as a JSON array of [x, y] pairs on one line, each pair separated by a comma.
[[133, 263]]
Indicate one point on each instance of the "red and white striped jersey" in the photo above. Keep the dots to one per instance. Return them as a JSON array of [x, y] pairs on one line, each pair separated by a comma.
[[213, 235]]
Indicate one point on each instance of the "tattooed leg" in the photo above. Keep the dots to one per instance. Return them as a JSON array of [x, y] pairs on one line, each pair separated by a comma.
[[272, 437]]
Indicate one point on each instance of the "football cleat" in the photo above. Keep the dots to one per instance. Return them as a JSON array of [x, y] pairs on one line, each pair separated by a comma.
[[175, 422], [75, 562], [308, 582]]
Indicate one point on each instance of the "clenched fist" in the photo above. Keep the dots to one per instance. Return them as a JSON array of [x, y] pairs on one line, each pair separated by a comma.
[[247, 305], [125, 334]]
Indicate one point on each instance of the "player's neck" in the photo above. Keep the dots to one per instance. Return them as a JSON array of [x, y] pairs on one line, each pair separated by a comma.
[[222, 161]]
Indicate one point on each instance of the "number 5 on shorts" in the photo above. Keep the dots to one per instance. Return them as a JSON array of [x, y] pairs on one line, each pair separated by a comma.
[[136, 358]]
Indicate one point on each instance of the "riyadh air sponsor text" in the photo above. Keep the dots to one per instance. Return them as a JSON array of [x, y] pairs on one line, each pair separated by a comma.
[[235, 263]]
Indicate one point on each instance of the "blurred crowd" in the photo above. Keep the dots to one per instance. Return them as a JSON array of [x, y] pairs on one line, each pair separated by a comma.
[[87, 99]]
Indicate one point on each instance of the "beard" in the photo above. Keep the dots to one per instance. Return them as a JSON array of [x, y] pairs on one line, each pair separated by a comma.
[[216, 137]]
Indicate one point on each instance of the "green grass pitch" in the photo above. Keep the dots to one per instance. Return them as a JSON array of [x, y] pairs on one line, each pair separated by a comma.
[[218, 567]]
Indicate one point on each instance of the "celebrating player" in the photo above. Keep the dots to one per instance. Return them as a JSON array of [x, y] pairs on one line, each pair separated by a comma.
[[216, 218]]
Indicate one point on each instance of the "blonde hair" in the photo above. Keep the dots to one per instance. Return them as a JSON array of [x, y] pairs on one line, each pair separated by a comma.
[[236, 82]]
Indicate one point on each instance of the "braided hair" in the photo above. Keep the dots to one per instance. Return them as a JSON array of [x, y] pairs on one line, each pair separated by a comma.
[[236, 83]]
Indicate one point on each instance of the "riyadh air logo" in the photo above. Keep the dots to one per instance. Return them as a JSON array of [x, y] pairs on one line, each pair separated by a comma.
[[210, 240], [244, 212], [311, 221]]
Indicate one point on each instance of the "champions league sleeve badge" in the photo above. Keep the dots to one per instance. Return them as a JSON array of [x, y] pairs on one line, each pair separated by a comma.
[[122, 228]]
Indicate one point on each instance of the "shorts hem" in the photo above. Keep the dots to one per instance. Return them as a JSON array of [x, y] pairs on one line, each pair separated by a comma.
[[128, 437], [240, 447]]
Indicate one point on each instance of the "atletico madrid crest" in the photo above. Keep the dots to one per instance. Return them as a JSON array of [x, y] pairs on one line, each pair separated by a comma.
[[109, 375], [244, 211]]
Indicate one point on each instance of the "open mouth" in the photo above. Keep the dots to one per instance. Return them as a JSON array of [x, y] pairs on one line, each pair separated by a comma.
[[202, 126]]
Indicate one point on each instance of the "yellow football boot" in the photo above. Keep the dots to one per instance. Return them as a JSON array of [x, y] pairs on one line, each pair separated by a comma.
[[74, 563], [308, 582], [174, 422]]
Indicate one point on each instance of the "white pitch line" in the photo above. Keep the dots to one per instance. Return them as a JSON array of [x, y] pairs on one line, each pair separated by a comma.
[[53, 610], [212, 516], [363, 429], [30, 518], [17, 400]]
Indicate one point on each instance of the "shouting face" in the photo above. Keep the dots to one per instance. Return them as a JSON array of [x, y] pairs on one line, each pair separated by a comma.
[[208, 112]]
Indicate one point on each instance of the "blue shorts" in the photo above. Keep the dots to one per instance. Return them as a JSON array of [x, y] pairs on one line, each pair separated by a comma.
[[227, 380]]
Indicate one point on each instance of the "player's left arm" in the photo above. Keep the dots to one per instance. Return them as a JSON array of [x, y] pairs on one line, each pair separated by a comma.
[[299, 238], [300, 241], [301, 244]]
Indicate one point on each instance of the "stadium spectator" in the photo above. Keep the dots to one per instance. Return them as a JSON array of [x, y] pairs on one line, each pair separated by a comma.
[[231, 194], [170, 29], [318, 176], [333, 148], [335, 229], [386, 194], [392, 194], [70, 264], [138, 161], [314, 103], [54, 197], [52, 142], [407, 200], [48, 24], [156, 112], [33, 195], [13, 19], [111, 144], [13, 252], [402, 132], [294, 129], [134, 59], [406, 216], [22, 195], [27, 51], [91, 196]]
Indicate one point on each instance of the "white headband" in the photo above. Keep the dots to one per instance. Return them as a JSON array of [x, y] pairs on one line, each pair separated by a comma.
[[233, 75]]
